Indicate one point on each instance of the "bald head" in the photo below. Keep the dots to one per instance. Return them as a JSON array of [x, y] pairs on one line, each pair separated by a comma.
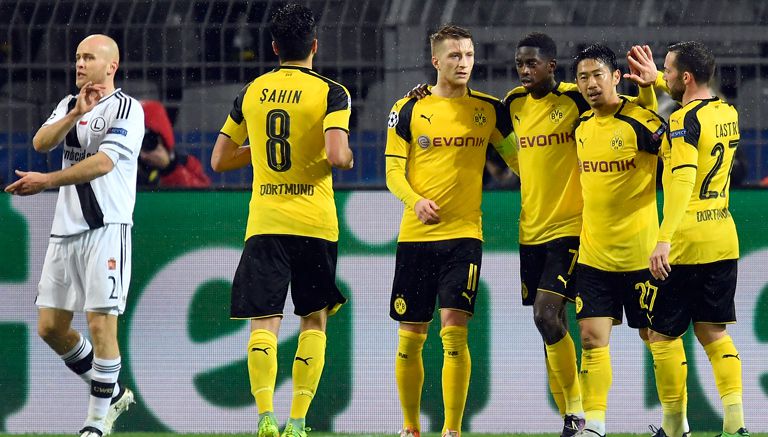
[[97, 59]]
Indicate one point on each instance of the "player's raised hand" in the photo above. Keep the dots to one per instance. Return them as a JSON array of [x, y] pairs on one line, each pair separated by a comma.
[[29, 184], [426, 210], [89, 97], [419, 91], [659, 261], [642, 69]]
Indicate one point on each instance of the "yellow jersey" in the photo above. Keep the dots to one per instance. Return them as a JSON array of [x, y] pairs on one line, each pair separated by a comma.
[[703, 137], [436, 149], [283, 114], [617, 161], [550, 191]]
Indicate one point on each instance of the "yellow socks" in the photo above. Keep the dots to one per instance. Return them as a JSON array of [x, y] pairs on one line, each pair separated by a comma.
[[561, 367], [262, 367], [726, 365], [671, 370], [555, 388], [596, 378], [307, 368], [409, 373], [457, 367]]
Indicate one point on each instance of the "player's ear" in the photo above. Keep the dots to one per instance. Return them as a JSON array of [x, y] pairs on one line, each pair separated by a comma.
[[314, 46], [687, 78], [552, 65], [274, 49], [616, 76], [435, 62]]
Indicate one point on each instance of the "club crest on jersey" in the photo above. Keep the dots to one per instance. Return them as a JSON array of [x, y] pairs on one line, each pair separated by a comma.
[[393, 119], [423, 141], [98, 124], [617, 142], [480, 119], [111, 264], [556, 116]]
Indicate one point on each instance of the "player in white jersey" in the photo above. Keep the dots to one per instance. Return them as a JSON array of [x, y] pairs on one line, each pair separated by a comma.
[[88, 263]]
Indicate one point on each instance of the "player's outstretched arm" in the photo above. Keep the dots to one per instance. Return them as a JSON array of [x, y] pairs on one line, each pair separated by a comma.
[[82, 172], [228, 155], [49, 136], [337, 149]]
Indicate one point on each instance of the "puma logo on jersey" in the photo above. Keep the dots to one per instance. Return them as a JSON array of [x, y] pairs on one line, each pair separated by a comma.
[[732, 356], [303, 360], [429, 119], [518, 119], [561, 279], [467, 296], [258, 349]]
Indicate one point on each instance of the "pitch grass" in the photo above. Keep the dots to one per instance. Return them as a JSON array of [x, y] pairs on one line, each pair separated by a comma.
[[324, 434]]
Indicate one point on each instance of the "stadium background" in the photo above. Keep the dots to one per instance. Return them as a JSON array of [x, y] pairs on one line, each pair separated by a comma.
[[182, 355]]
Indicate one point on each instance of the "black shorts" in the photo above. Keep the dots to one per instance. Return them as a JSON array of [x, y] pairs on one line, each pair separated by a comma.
[[610, 294], [448, 270], [548, 267], [702, 293], [270, 262]]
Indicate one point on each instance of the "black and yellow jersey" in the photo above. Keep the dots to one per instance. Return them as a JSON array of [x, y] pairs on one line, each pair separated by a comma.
[[617, 162], [436, 150], [284, 114], [550, 190], [702, 140]]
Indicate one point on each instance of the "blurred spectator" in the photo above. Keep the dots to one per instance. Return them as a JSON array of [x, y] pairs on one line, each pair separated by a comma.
[[159, 162]]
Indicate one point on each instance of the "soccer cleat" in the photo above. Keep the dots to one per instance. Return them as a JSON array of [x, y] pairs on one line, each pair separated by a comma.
[[571, 425], [586, 432], [119, 405], [450, 433], [742, 432], [410, 432], [658, 432], [292, 431], [90, 431], [268, 427]]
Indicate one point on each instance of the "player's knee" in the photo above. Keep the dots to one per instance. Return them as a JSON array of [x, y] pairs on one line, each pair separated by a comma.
[[708, 333], [548, 322], [50, 332], [592, 338]]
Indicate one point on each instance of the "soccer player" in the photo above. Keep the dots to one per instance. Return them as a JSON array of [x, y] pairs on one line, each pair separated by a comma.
[[297, 124], [88, 263], [698, 249], [617, 147], [435, 155], [544, 113]]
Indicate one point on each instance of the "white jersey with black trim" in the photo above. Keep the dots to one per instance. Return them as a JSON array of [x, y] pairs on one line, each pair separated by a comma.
[[116, 127]]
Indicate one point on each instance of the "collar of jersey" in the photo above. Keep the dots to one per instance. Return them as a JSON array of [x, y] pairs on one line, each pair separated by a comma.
[[431, 94], [293, 67], [117, 90]]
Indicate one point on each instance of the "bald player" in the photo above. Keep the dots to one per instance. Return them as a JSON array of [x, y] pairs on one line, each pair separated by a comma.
[[87, 265]]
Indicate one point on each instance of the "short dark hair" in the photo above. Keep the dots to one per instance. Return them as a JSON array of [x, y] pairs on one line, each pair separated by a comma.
[[448, 31], [293, 29], [543, 42], [599, 53], [695, 58]]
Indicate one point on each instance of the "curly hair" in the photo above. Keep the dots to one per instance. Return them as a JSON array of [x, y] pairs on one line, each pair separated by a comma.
[[543, 42]]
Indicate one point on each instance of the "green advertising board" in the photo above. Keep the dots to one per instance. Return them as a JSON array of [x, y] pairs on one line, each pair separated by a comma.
[[185, 359]]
